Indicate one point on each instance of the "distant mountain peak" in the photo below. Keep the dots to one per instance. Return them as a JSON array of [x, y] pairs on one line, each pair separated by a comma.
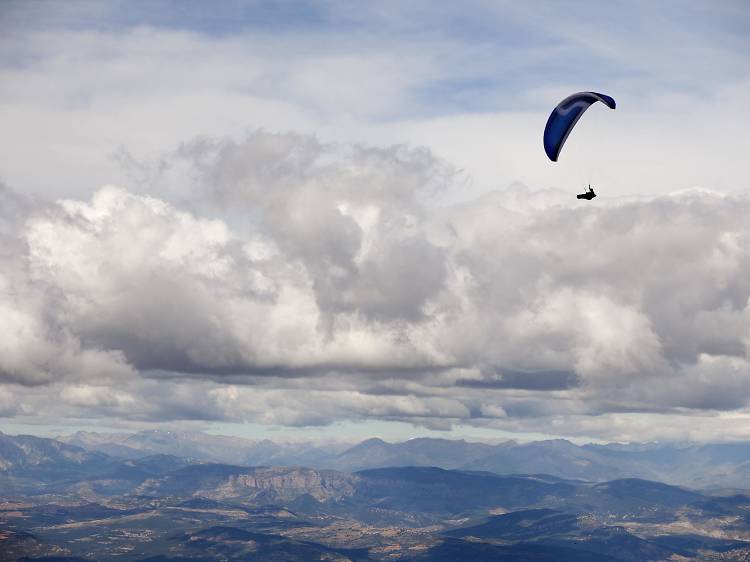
[[374, 441]]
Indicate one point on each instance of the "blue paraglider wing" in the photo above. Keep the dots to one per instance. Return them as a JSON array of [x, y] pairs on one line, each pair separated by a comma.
[[564, 117]]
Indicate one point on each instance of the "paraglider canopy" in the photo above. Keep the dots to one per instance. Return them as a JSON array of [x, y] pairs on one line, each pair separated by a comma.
[[564, 117]]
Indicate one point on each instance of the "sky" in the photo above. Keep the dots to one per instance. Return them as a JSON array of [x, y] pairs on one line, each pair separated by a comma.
[[334, 220]]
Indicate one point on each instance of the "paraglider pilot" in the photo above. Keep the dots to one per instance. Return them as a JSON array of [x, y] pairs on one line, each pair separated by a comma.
[[587, 195]]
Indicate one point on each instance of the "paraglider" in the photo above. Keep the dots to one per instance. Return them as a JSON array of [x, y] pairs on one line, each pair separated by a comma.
[[587, 194], [562, 120]]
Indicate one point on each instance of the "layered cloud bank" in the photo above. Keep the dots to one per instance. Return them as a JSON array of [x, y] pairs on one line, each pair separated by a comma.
[[282, 280]]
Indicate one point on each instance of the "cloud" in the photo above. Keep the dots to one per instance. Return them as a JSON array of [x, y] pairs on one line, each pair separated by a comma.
[[295, 282], [475, 84], [175, 292], [300, 279], [36, 346]]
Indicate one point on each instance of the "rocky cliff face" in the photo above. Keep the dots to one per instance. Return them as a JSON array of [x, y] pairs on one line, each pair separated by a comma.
[[287, 484], [262, 484]]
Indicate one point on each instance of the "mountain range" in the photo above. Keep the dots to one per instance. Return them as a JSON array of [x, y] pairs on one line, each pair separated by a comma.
[[60, 501], [706, 466]]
